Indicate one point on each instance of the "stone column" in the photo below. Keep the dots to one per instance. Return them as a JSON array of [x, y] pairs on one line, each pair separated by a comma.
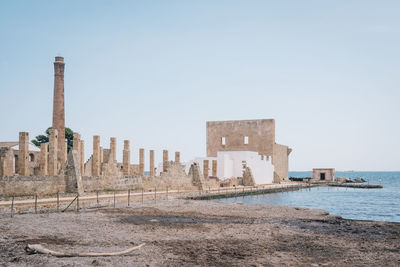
[[43, 161], [165, 160], [53, 151], [214, 168], [3, 167], [76, 142], [65, 152], [96, 156], [76, 146], [23, 153], [126, 158], [101, 155], [82, 157], [113, 148], [58, 107], [152, 163], [177, 157], [141, 162], [205, 168]]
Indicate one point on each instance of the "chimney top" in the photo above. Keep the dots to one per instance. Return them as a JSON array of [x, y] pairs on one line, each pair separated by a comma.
[[59, 59]]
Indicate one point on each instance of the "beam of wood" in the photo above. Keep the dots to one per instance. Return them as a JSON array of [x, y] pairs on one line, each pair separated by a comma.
[[39, 249]]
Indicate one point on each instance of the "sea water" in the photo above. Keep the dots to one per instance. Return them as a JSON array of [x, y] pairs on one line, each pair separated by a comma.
[[350, 203]]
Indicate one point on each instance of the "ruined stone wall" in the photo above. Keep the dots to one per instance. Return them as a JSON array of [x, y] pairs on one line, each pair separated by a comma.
[[6, 162], [174, 178], [280, 160], [33, 162], [28, 185], [260, 133], [88, 167], [102, 183]]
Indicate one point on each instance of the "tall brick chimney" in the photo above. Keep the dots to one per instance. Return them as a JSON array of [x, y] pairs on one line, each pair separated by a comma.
[[58, 108]]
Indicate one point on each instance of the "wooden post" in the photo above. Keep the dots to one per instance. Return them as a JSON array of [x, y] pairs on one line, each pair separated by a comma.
[[12, 207], [77, 203], [97, 197], [35, 203], [58, 202], [129, 196]]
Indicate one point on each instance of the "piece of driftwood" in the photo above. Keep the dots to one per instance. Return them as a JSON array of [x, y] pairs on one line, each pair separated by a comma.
[[39, 249]]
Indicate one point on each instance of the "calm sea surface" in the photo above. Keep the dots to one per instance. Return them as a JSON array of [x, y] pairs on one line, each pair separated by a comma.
[[360, 204]]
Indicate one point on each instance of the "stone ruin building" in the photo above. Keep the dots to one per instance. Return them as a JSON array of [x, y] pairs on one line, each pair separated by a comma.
[[27, 170], [244, 152], [323, 175]]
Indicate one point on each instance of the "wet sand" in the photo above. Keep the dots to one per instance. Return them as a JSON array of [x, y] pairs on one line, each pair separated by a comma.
[[200, 233]]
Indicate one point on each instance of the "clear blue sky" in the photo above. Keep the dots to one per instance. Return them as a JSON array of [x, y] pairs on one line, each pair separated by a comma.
[[155, 71]]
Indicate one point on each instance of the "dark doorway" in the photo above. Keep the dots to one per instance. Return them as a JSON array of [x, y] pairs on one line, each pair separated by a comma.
[[322, 176]]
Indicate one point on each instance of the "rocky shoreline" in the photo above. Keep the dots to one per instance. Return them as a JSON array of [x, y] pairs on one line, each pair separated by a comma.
[[200, 233]]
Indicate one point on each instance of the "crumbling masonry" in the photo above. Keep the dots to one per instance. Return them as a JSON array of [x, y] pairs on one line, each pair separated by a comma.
[[28, 170]]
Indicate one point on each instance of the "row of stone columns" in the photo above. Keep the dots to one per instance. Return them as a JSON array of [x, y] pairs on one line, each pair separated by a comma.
[[126, 157], [49, 165]]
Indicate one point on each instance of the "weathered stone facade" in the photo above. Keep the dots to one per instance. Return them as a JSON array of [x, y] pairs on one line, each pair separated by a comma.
[[249, 135], [280, 160], [260, 135], [26, 185], [323, 174]]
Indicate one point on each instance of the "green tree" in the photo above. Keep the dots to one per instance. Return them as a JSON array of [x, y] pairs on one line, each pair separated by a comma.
[[69, 135]]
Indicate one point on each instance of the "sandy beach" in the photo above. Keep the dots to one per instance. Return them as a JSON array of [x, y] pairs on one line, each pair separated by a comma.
[[200, 233]]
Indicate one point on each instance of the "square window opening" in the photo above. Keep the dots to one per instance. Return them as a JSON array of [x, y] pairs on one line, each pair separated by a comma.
[[246, 140]]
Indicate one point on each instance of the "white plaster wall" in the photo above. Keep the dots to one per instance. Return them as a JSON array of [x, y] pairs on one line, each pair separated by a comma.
[[230, 165], [31, 147]]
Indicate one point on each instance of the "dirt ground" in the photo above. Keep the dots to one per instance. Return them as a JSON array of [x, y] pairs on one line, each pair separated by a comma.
[[200, 233]]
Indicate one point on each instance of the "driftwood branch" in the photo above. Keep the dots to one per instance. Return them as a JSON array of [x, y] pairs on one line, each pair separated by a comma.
[[39, 249]]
